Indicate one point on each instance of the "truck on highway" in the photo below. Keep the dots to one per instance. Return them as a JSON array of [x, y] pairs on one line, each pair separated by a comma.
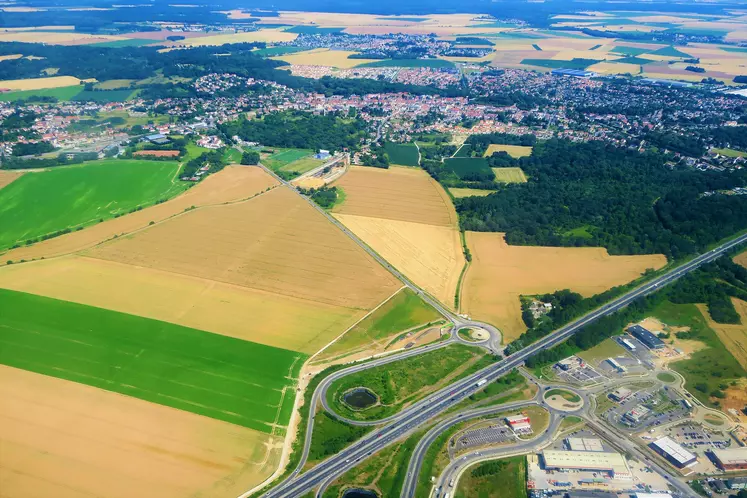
[[481, 382]]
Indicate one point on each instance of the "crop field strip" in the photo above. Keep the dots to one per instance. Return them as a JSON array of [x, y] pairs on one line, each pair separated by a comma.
[[155, 361], [232, 184], [100, 183], [275, 242], [398, 194], [733, 336], [109, 439], [8, 177], [402, 154]]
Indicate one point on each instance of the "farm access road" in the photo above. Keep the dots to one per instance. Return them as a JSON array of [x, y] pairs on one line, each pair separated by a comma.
[[420, 413]]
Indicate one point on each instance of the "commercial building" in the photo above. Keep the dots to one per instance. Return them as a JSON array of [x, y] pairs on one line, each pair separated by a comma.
[[578, 73], [584, 444], [628, 344], [637, 414], [646, 337], [612, 463], [520, 424], [674, 453], [621, 394], [613, 362], [731, 459]]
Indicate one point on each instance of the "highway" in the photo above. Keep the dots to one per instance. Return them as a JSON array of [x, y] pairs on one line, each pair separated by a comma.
[[423, 411]]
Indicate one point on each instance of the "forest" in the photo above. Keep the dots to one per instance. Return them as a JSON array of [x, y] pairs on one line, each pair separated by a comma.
[[593, 194]]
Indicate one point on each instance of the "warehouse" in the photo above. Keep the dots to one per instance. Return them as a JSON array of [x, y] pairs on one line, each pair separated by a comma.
[[584, 444], [578, 73], [731, 459], [646, 337], [612, 463], [674, 453]]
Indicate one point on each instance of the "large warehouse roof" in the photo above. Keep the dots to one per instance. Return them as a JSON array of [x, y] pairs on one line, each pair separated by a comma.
[[732, 456], [674, 450], [585, 444], [587, 460]]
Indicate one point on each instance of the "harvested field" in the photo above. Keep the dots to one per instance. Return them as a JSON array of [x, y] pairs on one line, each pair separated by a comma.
[[404, 194], [55, 38], [263, 35], [233, 183], [10, 57], [430, 255], [741, 259], [733, 336], [469, 192], [509, 175], [117, 446], [39, 83], [230, 310], [615, 68], [323, 57], [156, 153], [275, 242], [500, 273], [6, 177], [512, 150]]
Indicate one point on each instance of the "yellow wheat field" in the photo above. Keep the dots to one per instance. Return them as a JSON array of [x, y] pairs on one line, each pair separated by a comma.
[[500, 273], [469, 192], [615, 68], [509, 175], [430, 255], [741, 259], [263, 35], [39, 83], [512, 150], [10, 57], [405, 194], [69, 440], [733, 336], [55, 38], [323, 57]]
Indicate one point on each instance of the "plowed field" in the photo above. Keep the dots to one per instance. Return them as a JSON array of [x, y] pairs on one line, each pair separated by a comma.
[[500, 273], [6, 177]]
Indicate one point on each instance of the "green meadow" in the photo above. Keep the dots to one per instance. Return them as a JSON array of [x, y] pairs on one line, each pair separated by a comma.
[[209, 374], [75, 196], [402, 154]]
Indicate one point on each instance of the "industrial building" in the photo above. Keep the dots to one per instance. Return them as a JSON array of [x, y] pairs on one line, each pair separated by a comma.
[[584, 444], [520, 424], [594, 461], [613, 362], [731, 459], [648, 338], [621, 394], [578, 73], [628, 344], [674, 453], [637, 414]]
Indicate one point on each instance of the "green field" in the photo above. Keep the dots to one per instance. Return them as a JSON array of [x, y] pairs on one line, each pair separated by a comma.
[[209, 374], [560, 64], [63, 93], [505, 478], [402, 312], [75, 196], [566, 395], [403, 382], [633, 60], [103, 96], [608, 348], [466, 167], [670, 52], [130, 42], [464, 151], [330, 435], [283, 157], [434, 63], [710, 370], [730, 152], [666, 377], [402, 154], [509, 175], [629, 51]]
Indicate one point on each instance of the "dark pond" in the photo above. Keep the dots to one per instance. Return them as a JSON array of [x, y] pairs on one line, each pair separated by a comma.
[[359, 493], [360, 398]]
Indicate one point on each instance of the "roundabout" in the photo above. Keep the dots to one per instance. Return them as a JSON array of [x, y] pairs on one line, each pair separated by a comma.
[[563, 400]]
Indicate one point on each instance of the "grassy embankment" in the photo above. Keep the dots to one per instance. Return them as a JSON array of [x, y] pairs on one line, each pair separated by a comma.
[[80, 195], [505, 478]]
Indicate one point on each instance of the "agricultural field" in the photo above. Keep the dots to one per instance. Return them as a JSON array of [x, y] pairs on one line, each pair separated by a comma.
[[62, 94], [399, 384], [515, 151], [432, 63], [7, 177], [402, 154], [403, 311], [464, 167], [323, 57], [500, 273], [109, 188], [734, 337], [231, 184], [608, 348], [150, 360], [406, 217], [263, 35], [741, 259], [155, 449], [509, 175], [484, 479], [39, 83], [730, 152], [459, 193], [103, 96], [292, 161], [55, 37]]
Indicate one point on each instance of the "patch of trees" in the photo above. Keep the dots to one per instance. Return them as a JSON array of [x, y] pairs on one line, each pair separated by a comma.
[[215, 159], [695, 69], [325, 197], [628, 202], [250, 158], [376, 158], [740, 79], [480, 143], [299, 130], [728, 136], [60, 160], [32, 149]]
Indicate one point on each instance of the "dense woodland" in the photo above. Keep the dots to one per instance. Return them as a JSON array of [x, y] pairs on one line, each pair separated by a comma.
[[592, 194], [300, 130]]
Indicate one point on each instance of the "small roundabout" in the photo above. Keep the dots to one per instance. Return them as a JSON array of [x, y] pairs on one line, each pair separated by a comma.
[[563, 400], [473, 334]]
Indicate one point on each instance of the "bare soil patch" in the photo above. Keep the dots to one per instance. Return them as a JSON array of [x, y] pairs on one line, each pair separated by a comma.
[[500, 273], [7, 177], [741, 259], [233, 183], [405, 194], [65, 439], [275, 242]]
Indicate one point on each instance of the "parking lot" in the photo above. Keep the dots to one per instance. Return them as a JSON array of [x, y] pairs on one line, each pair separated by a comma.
[[576, 371], [641, 354], [493, 434], [646, 408]]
